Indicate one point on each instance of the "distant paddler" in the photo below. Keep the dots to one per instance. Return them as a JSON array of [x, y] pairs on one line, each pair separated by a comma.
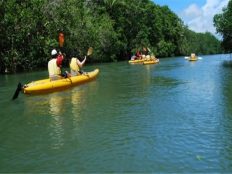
[[137, 55], [193, 57], [145, 53]]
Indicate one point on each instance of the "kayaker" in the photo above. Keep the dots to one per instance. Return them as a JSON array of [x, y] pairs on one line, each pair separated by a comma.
[[133, 57], [54, 66], [151, 55], [145, 53], [193, 56], [138, 54], [76, 65], [150, 52]]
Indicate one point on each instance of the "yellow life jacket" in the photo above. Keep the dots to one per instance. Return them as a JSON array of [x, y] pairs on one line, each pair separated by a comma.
[[73, 65], [53, 69]]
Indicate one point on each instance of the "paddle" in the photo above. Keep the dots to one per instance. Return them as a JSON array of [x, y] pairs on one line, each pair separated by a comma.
[[90, 51], [61, 39], [189, 57], [18, 89]]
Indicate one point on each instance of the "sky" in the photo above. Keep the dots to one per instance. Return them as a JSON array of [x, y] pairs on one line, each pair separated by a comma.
[[196, 14]]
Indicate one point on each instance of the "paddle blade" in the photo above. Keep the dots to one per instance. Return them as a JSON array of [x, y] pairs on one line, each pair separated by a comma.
[[61, 39], [90, 51], [18, 89]]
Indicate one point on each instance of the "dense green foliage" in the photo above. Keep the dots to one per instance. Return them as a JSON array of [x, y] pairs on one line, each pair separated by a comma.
[[223, 24], [201, 43], [114, 28]]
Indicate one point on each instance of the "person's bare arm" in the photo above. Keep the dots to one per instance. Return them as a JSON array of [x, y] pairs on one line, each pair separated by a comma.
[[80, 64]]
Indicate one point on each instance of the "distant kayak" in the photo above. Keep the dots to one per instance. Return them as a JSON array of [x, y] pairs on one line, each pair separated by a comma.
[[193, 58], [147, 62], [136, 61]]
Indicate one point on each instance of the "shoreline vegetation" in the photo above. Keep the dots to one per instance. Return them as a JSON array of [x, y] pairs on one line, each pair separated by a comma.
[[114, 28]]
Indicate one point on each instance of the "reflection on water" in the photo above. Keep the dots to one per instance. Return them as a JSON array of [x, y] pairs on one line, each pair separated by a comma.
[[78, 101], [56, 103], [56, 110], [52, 106], [146, 77]]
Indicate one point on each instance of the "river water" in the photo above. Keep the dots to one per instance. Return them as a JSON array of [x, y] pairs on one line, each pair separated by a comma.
[[175, 116]]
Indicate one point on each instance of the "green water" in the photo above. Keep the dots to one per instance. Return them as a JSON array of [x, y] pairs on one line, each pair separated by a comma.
[[175, 116]]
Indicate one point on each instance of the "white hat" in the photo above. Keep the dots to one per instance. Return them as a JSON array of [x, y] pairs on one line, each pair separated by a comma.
[[54, 52]]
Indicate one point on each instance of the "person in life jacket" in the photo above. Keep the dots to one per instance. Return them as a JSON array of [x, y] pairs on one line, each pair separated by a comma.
[[151, 55], [145, 53], [76, 65], [138, 54], [193, 56], [54, 66]]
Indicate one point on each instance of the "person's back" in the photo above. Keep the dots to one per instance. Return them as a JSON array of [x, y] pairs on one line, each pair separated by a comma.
[[53, 70], [138, 54], [193, 55], [74, 68], [145, 51], [54, 64], [76, 65]]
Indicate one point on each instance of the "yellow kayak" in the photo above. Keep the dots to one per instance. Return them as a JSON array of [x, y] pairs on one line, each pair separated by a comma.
[[136, 61], [193, 59], [148, 62], [46, 86]]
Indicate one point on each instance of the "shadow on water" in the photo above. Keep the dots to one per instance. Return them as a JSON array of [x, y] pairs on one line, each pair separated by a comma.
[[169, 65], [166, 81], [227, 63], [227, 116]]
